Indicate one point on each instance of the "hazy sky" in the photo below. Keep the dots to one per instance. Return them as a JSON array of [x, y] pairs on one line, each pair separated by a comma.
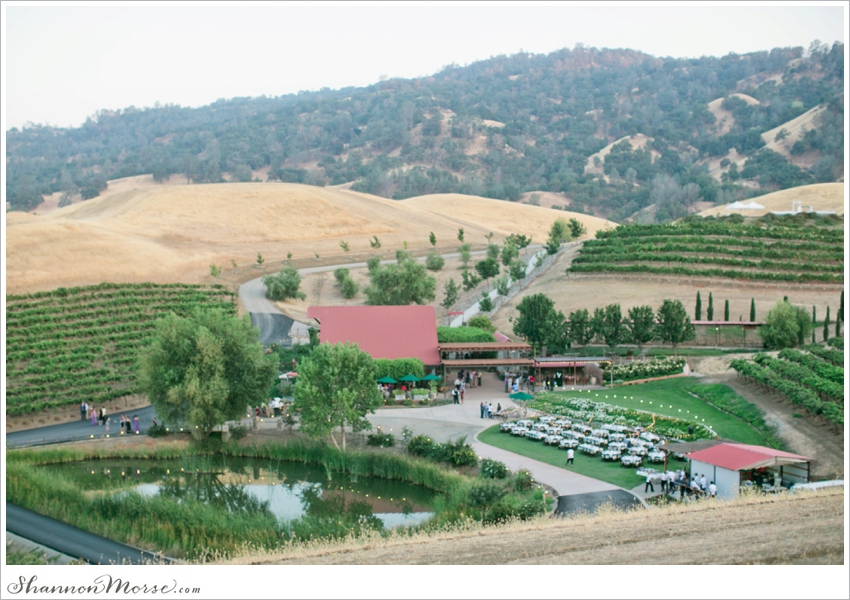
[[61, 63]]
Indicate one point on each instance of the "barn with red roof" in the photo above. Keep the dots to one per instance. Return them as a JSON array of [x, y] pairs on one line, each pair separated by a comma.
[[732, 465]]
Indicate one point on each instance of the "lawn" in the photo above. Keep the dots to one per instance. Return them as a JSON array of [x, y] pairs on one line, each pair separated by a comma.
[[590, 466], [668, 397]]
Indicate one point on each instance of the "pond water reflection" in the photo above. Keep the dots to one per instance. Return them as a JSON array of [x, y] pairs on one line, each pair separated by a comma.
[[286, 490]]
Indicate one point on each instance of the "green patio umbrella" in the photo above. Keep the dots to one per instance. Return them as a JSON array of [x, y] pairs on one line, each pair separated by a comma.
[[521, 396], [409, 377], [431, 377], [387, 380]]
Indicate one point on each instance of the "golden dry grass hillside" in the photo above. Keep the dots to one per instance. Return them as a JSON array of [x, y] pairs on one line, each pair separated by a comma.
[[794, 529], [637, 141], [724, 120], [820, 196], [173, 233], [795, 130]]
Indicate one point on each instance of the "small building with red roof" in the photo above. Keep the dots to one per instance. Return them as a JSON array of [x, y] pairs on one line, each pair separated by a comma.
[[731, 465], [381, 331]]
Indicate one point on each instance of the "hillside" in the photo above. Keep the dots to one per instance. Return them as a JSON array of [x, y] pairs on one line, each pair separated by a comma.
[[820, 196], [172, 234], [786, 529], [497, 128]]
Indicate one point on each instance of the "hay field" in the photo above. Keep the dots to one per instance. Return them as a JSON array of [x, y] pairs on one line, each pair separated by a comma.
[[173, 233], [821, 196], [787, 529]]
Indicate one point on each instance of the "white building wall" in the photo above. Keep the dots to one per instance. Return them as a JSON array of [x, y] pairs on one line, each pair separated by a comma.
[[727, 481]]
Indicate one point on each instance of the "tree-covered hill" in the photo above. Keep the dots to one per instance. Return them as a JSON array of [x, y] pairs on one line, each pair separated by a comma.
[[496, 128]]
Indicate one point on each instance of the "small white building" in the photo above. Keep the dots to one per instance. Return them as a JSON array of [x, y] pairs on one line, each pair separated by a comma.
[[731, 465]]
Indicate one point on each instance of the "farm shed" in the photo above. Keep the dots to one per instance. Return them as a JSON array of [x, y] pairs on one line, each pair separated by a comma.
[[732, 465]]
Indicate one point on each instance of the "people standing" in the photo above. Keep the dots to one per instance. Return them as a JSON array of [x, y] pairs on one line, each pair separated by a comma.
[[498, 407], [455, 396], [461, 394], [664, 482], [481, 407], [702, 482], [570, 456], [93, 415], [83, 408], [135, 423], [127, 425], [712, 490], [648, 485]]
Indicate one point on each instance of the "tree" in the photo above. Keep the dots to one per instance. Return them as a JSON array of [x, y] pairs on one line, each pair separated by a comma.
[[460, 235], [470, 281], [503, 285], [597, 323], [536, 319], [673, 326], [752, 310], [433, 239], [558, 234], [493, 251], [612, 328], [284, 285], [698, 309], [215, 270], [465, 256], [726, 311], [641, 325], [204, 369], [520, 241], [375, 242], [336, 388], [577, 228], [517, 270], [826, 325], [787, 326], [260, 260], [486, 303], [509, 253], [481, 322], [401, 284], [341, 274], [451, 295], [349, 288], [709, 314], [373, 263], [487, 268], [580, 330], [345, 246], [434, 262]]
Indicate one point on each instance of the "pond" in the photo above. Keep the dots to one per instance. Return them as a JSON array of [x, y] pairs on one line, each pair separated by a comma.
[[288, 491]]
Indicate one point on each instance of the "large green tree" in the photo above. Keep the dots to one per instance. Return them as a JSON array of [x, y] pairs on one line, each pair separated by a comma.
[[401, 284], [581, 331], [674, 326], [284, 285], [451, 294], [336, 388], [205, 369], [613, 330], [538, 320], [558, 234], [641, 325], [787, 326], [487, 268]]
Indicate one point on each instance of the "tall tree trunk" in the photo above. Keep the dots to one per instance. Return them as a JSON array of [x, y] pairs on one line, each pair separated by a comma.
[[342, 428], [333, 439]]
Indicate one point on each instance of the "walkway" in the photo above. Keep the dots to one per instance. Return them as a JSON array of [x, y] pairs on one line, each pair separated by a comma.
[[451, 421]]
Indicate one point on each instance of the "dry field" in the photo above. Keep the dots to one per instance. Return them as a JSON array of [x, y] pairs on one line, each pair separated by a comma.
[[821, 196], [173, 233], [800, 529], [570, 294]]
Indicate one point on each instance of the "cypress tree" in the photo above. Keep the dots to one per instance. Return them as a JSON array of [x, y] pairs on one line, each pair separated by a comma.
[[710, 312], [840, 314], [814, 314], [814, 341], [826, 325], [752, 309], [838, 326], [726, 311], [698, 309]]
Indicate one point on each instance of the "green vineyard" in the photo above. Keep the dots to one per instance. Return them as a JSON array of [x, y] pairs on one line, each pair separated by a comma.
[[75, 344], [719, 248], [813, 379]]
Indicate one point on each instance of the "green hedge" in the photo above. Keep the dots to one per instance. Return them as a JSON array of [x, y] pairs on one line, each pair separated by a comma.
[[461, 335]]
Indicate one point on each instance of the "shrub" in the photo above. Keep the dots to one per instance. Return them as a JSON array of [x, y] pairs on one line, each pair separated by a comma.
[[341, 274], [349, 288], [382, 440], [157, 430], [238, 431], [493, 469], [434, 262], [408, 402], [522, 481]]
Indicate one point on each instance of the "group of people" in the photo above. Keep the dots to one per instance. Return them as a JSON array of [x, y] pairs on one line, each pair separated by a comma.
[[487, 410], [698, 485], [100, 417], [513, 383], [553, 381]]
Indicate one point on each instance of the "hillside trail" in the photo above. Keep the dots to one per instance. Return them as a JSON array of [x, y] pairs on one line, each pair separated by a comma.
[[802, 435]]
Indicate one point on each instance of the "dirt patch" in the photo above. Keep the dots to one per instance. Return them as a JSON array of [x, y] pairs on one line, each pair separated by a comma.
[[804, 529], [806, 434]]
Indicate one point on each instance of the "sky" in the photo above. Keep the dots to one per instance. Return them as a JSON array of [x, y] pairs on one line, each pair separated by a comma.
[[64, 63]]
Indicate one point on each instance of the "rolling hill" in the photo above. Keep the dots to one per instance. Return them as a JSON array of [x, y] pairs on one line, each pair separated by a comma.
[[172, 234], [820, 196]]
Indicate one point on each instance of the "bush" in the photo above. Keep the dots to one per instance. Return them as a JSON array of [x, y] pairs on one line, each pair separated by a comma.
[[522, 481], [349, 288], [341, 274], [457, 335], [481, 322], [382, 440], [434, 262], [238, 431], [458, 452], [408, 402], [493, 469], [157, 430]]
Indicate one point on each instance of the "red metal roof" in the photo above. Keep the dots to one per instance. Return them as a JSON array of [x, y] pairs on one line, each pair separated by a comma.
[[501, 337], [382, 331], [737, 457]]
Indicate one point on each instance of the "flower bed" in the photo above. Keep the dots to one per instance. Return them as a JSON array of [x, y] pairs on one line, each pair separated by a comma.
[[644, 370]]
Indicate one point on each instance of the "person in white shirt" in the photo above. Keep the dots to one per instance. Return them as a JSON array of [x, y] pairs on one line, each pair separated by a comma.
[[712, 490], [664, 481], [570, 456], [702, 482]]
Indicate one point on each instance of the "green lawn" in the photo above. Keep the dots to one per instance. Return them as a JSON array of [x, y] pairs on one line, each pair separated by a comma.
[[594, 467], [668, 397]]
